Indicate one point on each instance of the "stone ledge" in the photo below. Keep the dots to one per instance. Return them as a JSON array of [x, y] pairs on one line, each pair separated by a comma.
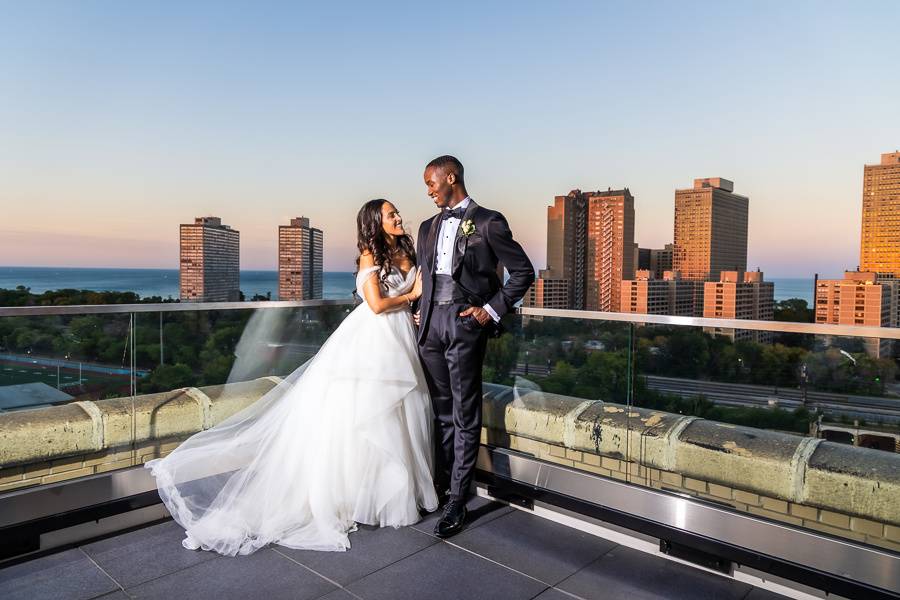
[[38, 435], [796, 469], [598, 435], [34, 436]]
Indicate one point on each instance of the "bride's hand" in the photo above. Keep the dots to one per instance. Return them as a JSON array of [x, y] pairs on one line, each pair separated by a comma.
[[416, 292]]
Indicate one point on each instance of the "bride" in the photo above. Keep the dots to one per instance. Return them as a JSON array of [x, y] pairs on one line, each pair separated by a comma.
[[344, 439]]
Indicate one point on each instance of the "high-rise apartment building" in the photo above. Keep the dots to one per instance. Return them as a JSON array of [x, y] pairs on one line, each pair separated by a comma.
[[610, 247], [860, 298], [645, 294], [666, 295], [710, 230], [209, 261], [299, 261], [567, 245], [566, 256], [547, 292], [740, 295], [880, 241]]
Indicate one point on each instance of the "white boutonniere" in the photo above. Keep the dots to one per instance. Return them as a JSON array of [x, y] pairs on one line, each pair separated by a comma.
[[468, 227]]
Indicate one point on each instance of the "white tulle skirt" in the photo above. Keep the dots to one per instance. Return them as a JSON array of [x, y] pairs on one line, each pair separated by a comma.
[[345, 439]]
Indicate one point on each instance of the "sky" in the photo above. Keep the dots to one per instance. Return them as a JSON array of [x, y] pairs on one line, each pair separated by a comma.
[[120, 120]]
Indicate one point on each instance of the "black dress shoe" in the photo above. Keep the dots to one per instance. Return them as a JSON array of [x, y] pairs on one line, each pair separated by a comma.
[[453, 519]]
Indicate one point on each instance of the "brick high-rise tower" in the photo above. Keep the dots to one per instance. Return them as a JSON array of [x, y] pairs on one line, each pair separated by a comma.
[[880, 241], [740, 296], [299, 261], [567, 245], [710, 230], [209, 261], [562, 283], [665, 295], [610, 247], [859, 298]]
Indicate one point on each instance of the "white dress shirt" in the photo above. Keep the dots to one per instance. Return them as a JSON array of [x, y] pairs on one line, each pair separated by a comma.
[[446, 247]]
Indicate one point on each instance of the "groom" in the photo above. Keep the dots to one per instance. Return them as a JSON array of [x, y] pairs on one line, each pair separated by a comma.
[[463, 299]]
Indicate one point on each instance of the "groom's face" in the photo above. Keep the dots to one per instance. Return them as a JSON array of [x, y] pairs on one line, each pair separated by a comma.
[[440, 185]]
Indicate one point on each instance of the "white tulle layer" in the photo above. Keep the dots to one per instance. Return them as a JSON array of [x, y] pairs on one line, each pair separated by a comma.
[[345, 439]]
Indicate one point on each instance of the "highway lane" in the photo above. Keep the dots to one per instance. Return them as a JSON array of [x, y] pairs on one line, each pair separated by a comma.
[[873, 408]]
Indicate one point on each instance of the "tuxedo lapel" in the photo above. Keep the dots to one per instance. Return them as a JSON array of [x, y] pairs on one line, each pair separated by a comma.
[[431, 244], [462, 240]]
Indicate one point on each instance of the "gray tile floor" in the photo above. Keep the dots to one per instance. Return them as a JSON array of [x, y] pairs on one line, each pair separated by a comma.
[[503, 553]]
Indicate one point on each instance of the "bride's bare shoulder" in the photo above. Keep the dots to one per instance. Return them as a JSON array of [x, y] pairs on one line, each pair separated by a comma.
[[366, 260]]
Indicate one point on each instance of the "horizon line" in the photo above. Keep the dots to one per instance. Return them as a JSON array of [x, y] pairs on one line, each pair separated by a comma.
[[810, 277]]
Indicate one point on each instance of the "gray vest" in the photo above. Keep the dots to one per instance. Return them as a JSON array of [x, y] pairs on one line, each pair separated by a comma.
[[446, 290]]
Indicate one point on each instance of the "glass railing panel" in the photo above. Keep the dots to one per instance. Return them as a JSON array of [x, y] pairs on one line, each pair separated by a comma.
[[542, 372], [217, 363], [798, 428], [57, 359], [768, 380], [575, 357], [188, 349], [54, 369], [110, 391]]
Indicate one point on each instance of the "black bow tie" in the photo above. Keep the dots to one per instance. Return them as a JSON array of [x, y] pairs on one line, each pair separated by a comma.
[[456, 213]]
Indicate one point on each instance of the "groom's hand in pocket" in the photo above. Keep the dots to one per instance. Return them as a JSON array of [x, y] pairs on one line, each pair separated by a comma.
[[478, 313], [416, 318]]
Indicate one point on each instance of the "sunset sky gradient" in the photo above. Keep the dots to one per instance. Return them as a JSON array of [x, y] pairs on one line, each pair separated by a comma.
[[121, 120]]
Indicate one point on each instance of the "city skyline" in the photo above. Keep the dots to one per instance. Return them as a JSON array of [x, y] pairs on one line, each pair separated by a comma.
[[594, 263], [108, 110], [259, 260]]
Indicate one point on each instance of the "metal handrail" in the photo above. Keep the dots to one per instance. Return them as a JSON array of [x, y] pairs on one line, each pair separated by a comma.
[[859, 331], [165, 307]]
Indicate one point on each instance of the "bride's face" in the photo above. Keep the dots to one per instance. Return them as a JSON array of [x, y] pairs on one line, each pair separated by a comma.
[[391, 220]]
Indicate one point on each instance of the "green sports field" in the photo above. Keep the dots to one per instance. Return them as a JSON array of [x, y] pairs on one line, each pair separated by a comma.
[[15, 374]]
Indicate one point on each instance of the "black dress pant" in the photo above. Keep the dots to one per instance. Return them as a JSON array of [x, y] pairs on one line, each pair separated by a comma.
[[452, 353]]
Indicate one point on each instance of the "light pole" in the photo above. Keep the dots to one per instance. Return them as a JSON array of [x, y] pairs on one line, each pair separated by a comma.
[[804, 376], [57, 371], [160, 339]]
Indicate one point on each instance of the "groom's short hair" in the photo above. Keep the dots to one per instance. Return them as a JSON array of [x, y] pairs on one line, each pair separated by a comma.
[[445, 161]]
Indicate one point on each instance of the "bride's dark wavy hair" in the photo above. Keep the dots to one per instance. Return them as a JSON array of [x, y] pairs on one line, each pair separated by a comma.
[[370, 237]]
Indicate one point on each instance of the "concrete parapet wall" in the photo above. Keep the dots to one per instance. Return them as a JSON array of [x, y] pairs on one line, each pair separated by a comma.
[[844, 490], [82, 438], [847, 491], [789, 467]]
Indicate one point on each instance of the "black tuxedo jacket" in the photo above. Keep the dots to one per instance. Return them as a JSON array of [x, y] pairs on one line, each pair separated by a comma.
[[475, 260]]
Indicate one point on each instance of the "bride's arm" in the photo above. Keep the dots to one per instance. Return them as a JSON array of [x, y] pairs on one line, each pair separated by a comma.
[[372, 291]]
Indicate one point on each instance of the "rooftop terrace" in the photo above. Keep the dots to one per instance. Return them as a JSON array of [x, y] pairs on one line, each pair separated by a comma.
[[503, 554], [616, 486]]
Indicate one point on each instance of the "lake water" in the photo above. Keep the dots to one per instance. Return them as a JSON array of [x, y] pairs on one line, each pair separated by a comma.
[[164, 282], [152, 282], [786, 288]]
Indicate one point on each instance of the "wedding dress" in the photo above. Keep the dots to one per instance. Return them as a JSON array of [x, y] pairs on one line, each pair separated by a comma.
[[344, 439]]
